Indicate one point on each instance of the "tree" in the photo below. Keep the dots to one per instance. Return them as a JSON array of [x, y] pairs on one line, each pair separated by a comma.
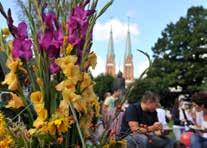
[[180, 55], [104, 83], [180, 59]]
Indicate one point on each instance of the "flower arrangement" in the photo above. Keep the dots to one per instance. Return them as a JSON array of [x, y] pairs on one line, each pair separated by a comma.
[[50, 53]]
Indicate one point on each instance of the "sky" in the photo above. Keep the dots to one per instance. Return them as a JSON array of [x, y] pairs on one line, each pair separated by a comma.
[[148, 18]]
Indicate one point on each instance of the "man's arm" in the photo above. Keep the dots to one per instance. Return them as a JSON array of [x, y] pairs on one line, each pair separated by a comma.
[[135, 128], [156, 126]]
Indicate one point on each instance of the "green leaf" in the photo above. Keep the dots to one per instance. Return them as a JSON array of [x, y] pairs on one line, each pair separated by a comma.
[[108, 4]]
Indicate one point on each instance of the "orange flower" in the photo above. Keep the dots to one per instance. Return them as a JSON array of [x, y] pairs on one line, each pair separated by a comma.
[[37, 98], [11, 80], [15, 102]]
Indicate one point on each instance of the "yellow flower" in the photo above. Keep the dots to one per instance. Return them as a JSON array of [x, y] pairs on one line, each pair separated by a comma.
[[89, 94], [38, 123], [70, 70], [66, 84], [37, 98], [70, 95], [15, 102], [92, 99], [11, 80], [5, 139], [73, 72], [69, 48], [62, 124], [64, 61], [63, 107], [38, 107], [13, 64], [86, 82], [92, 60], [59, 123], [6, 142], [80, 105], [42, 116], [51, 128]]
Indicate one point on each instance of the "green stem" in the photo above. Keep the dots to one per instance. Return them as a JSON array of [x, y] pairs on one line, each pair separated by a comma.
[[46, 80], [77, 125], [21, 111], [31, 119], [31, 77]]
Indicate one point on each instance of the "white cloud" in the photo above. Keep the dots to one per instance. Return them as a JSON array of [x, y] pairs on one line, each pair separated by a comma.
[[101, 30], [100, 67], [139, 68]]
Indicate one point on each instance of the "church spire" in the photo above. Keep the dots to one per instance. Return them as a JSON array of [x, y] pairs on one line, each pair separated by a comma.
[[128, 50], [111, 45], [128, 60], [110, 59]]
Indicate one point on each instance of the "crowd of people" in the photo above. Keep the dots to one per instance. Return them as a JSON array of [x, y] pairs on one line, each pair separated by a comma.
[[144, 124]]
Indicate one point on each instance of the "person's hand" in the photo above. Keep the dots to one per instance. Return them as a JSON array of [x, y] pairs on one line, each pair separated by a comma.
[[142, 130], [157, 126]]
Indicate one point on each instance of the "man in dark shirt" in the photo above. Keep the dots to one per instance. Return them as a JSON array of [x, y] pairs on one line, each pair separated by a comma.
[[140, 123]]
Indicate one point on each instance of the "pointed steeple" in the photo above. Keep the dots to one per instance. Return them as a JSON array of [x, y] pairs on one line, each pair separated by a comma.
[[128, 50], [110, 59], [111, 45], [128, 60]]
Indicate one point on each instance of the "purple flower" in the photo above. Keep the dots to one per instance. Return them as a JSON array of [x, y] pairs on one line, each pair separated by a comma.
[[49, 19], [51, 40], [22, 49], [22, 30], [21, 44], [78, 25], [54, 68]]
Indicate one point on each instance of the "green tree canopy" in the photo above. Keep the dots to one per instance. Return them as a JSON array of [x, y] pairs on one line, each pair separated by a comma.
[[104, 83], [180, 55]]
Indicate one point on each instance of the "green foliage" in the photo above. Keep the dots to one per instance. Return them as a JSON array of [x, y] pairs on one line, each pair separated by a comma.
[[104, 83], [180, 59]]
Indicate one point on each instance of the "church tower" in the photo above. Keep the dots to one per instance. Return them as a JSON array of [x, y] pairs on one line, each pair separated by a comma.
[[128, 61], [110, 59]]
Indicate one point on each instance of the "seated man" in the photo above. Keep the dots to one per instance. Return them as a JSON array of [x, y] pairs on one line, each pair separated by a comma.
[[140, 123]]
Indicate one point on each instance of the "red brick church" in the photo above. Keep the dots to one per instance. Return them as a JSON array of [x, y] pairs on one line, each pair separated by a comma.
[[128, 66]]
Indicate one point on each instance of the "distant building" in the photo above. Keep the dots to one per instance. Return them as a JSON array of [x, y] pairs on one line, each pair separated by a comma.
[[110, 59], [128, 61], [128, 66]]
